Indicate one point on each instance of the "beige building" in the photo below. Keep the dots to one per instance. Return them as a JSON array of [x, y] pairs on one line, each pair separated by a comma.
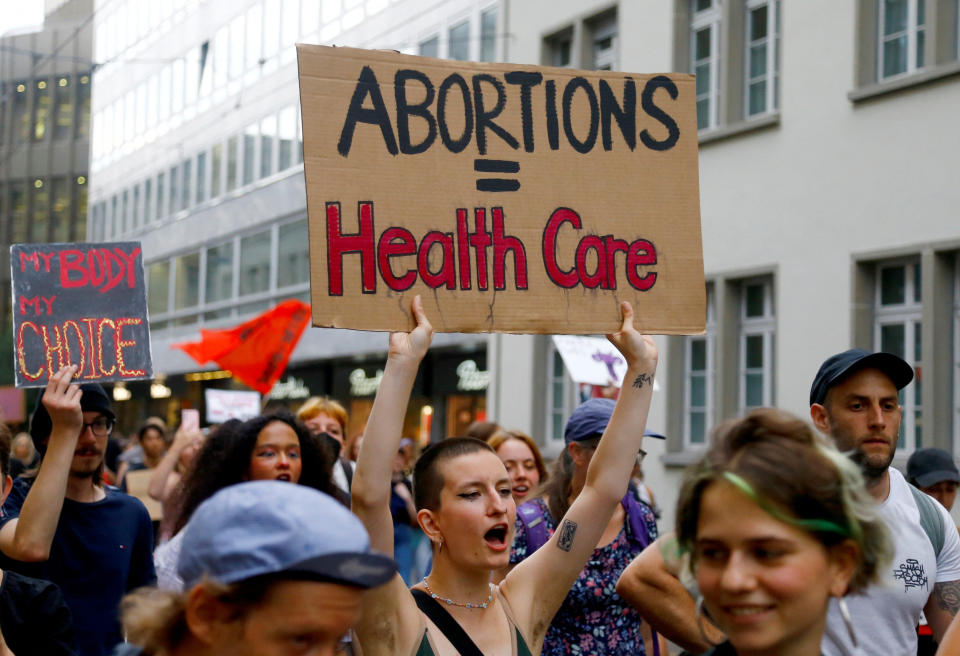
[[829, 198]]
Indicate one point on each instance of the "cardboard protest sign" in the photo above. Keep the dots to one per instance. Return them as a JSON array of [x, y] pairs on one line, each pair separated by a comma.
[[82, 304], [512, 198], [230, 404]]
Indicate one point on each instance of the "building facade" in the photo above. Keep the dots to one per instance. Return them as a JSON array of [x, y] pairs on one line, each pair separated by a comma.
[[197, 153], [45, 82]]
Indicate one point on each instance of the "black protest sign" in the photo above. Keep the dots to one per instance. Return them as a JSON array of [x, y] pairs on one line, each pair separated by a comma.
[[82, 304]]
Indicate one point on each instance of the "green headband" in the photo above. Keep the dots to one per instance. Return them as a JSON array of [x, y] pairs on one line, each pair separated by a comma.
[[813, 525]]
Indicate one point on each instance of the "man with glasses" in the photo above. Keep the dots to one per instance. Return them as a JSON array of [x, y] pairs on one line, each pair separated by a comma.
[[63, 525]]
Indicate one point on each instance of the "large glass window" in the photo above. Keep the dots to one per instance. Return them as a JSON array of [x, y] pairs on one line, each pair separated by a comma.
[[187, 167], [186, 281], [148, 208], [430, 47], [898, 314], [219, 285], [488, 35], [21, 113], [459, 41], [705, 58], [698, 380], [135, 207], [158, 288], [250, 137], [762, 56], [560, 391], [268, 134], [293, 256], [201, 177], [232, 163], [125, 211], [60, 217], [161, 210], [64, 108], [41, 210], [604, 43], [41, 122], [757, 324], [18, 212], [80, 194], [287, 129], [902, 25], [255, 263], [216, 163], [83, 108]]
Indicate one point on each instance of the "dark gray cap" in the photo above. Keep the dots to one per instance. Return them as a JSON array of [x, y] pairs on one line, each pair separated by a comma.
[[839, 366]]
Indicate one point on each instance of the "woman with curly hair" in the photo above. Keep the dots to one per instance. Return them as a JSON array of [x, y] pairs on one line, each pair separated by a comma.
[[268, 447]]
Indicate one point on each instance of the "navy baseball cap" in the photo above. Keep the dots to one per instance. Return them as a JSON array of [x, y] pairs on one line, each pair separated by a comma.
[[590, 419], [926, 467], [274, 527], [93, 399], [841, 365]]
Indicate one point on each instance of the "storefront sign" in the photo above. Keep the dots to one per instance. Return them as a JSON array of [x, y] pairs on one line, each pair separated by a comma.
[[361, 385], [291, 388], [512, 198], [230, 404], [81, 304], [470, 378]]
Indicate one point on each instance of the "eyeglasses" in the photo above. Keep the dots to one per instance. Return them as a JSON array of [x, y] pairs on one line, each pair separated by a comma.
[[100, 427]]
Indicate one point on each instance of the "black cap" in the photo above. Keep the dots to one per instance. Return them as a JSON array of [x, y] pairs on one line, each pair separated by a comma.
[[929, 466], [93, 399], [841, 365]]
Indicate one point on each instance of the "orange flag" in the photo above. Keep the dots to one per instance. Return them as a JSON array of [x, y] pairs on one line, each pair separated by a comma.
[[255, 352]]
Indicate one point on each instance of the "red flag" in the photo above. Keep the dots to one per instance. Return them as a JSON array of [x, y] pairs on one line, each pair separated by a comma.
[[255, 352]]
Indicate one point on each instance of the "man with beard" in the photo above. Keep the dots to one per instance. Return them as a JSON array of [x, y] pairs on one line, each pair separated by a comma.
[[63, 525], [854, 400]]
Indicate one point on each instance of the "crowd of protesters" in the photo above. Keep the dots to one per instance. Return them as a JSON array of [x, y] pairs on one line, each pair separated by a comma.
[[282, 534]]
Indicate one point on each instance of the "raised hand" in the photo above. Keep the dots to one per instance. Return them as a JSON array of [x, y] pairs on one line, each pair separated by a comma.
[[639, 350], [62, 401], [412, 346]]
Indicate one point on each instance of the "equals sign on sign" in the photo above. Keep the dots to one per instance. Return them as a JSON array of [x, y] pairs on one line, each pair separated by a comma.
[[496, 166]]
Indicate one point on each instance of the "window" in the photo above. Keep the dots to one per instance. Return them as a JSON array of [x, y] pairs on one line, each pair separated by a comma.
[[160, 196], [219, 285], [231, 163], [41, 211], [187, 167], [135, 208], [459, 41], [158, 288], [255, 263], [901, 36], [898, 314], [560, 393], [177, 86], [186, 292], [148, 209], [762, 57], [249, 152], [18, 212], [560, 48], [430, 47], [488, 35], [21, 113], [174, 203], [125, 211], [293, 257], [41, 122], [216, 159], [756, 344], [221, 59], [287, 130], [201, 177], [254, 37], [82, 120], [60, 216], [80, 193], [603, 31], [704, 59], [114, 217], [698, 380], [268, 133], [64, 108], [236, 48]]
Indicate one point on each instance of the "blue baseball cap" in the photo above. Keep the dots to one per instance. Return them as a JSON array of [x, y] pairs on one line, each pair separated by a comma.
[[839, 366], [590, 419], [274, 527]]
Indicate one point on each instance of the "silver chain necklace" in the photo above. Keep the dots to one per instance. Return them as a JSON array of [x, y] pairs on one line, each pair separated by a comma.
[[461, 604]]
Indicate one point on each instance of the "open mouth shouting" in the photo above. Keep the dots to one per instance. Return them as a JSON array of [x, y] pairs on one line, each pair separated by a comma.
[[496, 537]]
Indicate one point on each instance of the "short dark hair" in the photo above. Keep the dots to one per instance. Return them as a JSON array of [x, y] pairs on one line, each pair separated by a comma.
[[427, 478]]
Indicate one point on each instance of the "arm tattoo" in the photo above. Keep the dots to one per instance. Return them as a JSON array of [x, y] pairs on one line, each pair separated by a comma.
[[567, 531], [947, 595], [641, 380]]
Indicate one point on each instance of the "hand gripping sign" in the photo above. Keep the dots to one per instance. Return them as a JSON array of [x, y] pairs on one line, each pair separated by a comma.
[[82, 304], [512, 198]]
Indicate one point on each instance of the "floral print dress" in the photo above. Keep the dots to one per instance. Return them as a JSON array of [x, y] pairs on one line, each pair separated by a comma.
[[593, 619]]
